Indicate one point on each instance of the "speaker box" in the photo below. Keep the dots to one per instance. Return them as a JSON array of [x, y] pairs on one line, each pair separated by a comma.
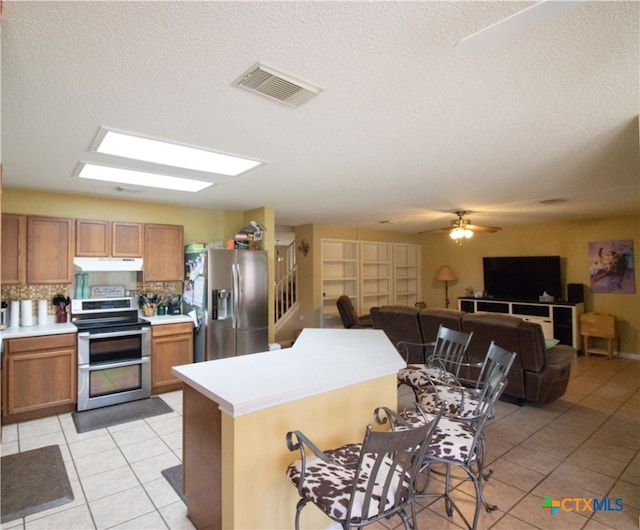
[[575, 293]]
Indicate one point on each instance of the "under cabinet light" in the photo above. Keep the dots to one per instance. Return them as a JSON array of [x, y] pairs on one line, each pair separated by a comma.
[[140, 178], [170, 153]]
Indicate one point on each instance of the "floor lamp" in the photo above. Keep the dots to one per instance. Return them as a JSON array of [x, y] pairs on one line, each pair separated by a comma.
[[445, 274]]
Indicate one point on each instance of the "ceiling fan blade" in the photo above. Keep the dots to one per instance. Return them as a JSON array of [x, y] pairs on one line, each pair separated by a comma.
[[473, 228], [480, 228], [520, 22]]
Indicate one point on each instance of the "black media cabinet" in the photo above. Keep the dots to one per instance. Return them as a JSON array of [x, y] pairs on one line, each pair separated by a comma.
[[559, 320]]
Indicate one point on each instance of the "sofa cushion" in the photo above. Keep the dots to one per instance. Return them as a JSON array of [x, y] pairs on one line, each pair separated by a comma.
[[504, 330], [431, 319], [400, 324]]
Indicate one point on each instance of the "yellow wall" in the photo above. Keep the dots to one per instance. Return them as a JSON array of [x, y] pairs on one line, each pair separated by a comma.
[[256, 492], [567, 239]]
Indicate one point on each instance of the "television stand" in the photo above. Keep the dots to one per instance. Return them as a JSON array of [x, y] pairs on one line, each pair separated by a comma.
[[559, 320]]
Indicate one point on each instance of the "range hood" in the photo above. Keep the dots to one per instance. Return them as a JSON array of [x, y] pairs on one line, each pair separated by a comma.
[[107, 264]]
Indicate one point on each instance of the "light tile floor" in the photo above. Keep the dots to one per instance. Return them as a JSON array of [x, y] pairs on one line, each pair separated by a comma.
[[581, 446], [115, 473]]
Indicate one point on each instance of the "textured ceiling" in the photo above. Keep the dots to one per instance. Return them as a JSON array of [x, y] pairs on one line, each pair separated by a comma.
[[406, 129]]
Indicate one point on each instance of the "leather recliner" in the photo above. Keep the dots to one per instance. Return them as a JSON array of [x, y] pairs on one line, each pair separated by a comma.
[[539, 373], [348, 315]]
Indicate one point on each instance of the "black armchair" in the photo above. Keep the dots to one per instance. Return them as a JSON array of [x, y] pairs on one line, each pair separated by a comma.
[[348, 315]]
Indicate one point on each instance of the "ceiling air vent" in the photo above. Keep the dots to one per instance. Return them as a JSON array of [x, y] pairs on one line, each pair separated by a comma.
[[265, 80]]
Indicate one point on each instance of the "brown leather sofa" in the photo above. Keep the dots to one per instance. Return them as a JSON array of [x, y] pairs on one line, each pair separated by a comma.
[[539, 374], [400, 323]]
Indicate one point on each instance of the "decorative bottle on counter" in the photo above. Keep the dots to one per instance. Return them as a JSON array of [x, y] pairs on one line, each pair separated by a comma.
[[85, 285], [78, 290]]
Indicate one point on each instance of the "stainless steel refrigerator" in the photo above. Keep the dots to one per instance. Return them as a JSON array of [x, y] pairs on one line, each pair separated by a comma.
[[226, 293]]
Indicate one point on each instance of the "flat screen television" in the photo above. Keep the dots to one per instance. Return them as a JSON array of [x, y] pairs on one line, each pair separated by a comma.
[[523, 278]]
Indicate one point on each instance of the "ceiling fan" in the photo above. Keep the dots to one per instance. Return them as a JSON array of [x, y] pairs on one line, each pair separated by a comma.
[[518, 23], [461, 228]]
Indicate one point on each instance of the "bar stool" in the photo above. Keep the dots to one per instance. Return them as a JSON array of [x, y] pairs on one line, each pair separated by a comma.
[[603, 326]]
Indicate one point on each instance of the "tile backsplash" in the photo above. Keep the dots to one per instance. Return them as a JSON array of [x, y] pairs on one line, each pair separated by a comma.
[[48, 291]]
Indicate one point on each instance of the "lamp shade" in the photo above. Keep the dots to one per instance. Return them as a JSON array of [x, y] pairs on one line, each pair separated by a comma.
[[446, 274]]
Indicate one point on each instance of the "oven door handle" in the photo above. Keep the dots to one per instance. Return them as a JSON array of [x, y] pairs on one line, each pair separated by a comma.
[[118, 364], [86, 334]]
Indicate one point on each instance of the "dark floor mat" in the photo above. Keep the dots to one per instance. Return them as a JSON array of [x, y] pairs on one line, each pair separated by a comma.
[[33, 481], [174, 477], [90, 420]]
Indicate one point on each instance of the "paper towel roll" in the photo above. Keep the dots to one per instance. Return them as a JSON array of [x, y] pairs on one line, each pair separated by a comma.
[[15, 314], [26, 310], [42, 312]]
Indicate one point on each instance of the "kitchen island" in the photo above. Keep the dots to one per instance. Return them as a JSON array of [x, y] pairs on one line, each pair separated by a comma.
[[238, 410]]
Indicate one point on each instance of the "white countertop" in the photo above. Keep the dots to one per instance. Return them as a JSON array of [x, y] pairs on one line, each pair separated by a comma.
[[36, 331], [167, 319], [52, 328], [320, 360]]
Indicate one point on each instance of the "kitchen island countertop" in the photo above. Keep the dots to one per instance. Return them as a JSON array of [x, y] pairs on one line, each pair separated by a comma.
[[320, 360]]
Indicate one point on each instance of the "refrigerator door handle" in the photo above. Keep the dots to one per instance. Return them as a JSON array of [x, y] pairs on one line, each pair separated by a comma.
[[235, 271]]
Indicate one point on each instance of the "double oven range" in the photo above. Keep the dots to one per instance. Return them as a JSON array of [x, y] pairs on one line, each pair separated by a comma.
[[114, 352]]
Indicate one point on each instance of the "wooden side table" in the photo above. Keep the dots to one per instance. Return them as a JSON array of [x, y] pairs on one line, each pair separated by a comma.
[[603, 326]]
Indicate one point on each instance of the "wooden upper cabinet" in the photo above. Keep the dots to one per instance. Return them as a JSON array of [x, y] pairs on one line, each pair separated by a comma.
[[50, 247], [14, 249], [93, 237], [118, 239], [126, 240], [163, 253]]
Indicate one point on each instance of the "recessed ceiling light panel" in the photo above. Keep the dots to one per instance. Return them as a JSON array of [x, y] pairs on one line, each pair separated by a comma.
[[172, 154], [139, 178]]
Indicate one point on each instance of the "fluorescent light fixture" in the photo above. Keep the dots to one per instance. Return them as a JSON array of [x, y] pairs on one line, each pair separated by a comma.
[[140, 178], [170, 154]]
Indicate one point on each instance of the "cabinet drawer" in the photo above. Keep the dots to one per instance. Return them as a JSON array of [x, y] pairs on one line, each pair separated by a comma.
[[49, 342], [164, 330]]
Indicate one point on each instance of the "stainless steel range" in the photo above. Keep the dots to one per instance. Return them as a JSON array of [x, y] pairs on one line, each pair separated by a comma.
[[114, 352]]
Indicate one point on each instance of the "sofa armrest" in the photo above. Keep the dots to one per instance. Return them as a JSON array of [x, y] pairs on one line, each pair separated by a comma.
[[561, 355]]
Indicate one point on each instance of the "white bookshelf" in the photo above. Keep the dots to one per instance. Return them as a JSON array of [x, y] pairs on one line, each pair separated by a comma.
[[370, 273]]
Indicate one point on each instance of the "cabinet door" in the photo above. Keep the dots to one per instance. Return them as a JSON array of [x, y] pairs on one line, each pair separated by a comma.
[[50, 246], [93, 237], [163, 253], [40, 377], [172, 345], [14, 248], [127, 240]]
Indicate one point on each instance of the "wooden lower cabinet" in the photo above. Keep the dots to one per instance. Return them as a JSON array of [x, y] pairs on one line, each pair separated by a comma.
[[171, 345], [39, 377]]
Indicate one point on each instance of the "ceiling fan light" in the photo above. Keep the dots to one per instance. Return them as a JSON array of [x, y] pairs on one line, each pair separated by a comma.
[[460, 233]]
